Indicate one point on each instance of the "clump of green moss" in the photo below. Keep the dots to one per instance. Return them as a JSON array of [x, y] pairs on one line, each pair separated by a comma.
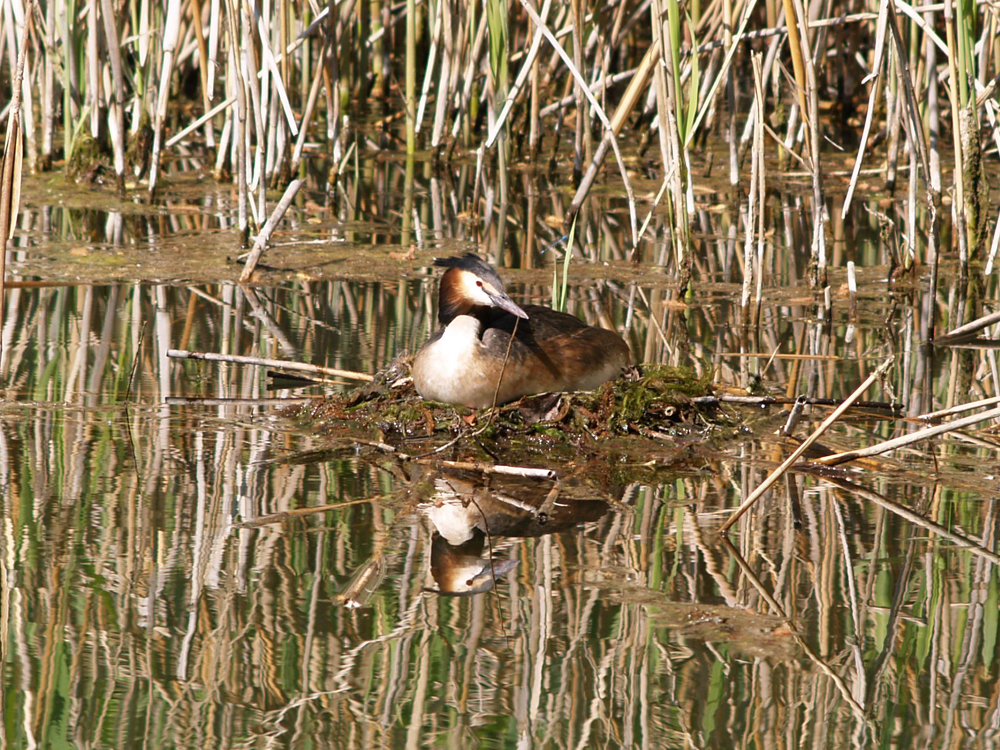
[[660, 394], [654, 399]]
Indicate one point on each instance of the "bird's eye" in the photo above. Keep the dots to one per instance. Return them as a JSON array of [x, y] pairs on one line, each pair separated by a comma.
[[479, 283]]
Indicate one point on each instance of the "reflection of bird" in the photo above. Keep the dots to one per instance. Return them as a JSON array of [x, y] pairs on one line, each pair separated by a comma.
[[551, 351], [464, 513], [460, 570]]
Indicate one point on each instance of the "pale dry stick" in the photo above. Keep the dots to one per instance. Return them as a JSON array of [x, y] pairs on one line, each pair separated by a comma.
[[171, 31], [758, 78], [116, 113], [914, 437], [183, 133], [599, 111], [875, 77], [750, 266], [240, 120], [307, 114], [265, 233], [707, 104], [429, 68], [93, 65], [47, 102], [930, 416], [248, 70], [215, 20], [976, 325], [730, 96], [622, 111], [599, 85], [775, 475], [526, 472], [264, 362]]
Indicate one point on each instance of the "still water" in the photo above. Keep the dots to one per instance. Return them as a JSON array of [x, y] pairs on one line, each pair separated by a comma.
[[164, 585]]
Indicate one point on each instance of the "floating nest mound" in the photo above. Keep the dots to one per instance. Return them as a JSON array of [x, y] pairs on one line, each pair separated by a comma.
[[655, 402]]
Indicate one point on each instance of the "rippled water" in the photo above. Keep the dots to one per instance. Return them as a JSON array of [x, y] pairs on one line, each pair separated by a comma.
[[151, 597]]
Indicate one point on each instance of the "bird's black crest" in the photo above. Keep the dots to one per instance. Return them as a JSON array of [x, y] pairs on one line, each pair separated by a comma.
[[473, 264], [467, 262]]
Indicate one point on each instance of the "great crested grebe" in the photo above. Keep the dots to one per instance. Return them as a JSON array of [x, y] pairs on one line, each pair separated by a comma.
[[552, 351]]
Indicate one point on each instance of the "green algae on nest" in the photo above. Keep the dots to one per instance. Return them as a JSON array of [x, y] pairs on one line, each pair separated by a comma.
[[656, 397]]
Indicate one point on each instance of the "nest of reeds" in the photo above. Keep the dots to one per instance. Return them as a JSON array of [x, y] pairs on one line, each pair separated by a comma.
[[655, 402]]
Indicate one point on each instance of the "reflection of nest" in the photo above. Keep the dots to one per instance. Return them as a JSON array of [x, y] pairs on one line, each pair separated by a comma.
[[470, 513]]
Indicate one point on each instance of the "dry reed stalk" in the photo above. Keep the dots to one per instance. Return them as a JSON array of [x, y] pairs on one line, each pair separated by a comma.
[[204, 66], [239, 118], [730, 134], [432, 54], [761, 188], [171, 32], [310, 107], [411, 77], [773, 477], [47, 100], [116, 113], [10, 169], [876, 77], [751, 267], [264, 362], [914, 437], [260, 243]]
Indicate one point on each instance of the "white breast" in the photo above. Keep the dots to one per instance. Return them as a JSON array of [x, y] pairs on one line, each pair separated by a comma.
[[449, 369]]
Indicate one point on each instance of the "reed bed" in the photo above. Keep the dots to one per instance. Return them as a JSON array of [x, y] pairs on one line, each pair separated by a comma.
[[253, 87], [136, 607]]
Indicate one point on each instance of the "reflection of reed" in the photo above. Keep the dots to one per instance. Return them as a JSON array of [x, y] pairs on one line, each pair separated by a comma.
[[133, 605]]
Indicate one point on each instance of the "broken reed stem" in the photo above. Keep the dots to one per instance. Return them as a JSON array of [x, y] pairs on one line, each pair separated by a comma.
[[264, 362], [265, 233], [788, 462], [914, 437]]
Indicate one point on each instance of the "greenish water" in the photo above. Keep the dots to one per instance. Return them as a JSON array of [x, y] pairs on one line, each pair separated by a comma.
[[139, 609]]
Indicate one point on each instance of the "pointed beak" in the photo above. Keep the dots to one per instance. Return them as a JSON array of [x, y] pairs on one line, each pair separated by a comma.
[[489, 575], [504, 302]]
